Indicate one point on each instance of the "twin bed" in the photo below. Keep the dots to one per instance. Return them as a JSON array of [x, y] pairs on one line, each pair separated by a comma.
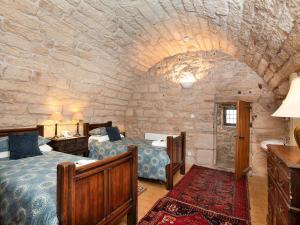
[[50, 189], [157, 163]]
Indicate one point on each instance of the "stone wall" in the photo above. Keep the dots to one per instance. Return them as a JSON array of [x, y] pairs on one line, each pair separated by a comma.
[[53, 62], [159, 104], [225, 139], [122, 38]]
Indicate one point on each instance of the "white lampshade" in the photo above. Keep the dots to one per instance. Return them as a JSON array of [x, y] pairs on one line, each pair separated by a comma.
[[56, 116], [187, 80], [290, 107], [77, 116]]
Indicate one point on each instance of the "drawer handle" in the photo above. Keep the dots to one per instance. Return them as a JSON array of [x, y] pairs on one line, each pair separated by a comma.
[[280, 162]]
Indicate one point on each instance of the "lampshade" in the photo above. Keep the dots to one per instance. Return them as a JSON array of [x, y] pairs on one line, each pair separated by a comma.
[[187, 80], [56, 116], [290, 107], [77, 116]]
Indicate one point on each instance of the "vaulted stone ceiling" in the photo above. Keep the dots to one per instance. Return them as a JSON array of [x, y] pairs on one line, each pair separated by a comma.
[[263, 33], [130, 36]]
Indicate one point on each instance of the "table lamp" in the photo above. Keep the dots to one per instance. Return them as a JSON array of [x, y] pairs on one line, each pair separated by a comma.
[[290, 106], [56, 116], [79, 117]]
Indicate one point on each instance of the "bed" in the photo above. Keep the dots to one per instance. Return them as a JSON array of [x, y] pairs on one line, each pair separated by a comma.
[[158, 163], [50, 189]]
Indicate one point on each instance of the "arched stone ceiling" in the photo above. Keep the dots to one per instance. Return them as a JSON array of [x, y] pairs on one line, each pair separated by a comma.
[[263, 33], [134, 35]]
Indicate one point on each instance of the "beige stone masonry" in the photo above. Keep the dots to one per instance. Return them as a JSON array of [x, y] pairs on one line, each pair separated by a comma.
[[159, 104]]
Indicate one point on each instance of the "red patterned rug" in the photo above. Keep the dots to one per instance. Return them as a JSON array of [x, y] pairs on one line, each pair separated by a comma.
[[170, 211], [213, 190]]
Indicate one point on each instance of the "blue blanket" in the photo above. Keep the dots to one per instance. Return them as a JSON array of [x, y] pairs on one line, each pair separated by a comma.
[[152, 160], [28, 189]]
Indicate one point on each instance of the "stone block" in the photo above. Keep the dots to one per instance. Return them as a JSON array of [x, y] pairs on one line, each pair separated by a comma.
[[43, 108], [204, 141], [17, 73], [13, 108], [204, 157]]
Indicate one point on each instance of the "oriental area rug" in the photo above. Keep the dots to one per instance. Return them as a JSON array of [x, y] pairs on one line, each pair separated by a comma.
[[203, 196]]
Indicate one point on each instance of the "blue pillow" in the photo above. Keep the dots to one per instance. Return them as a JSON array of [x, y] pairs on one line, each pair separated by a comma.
[[3, 144], [113, 133], [23, 145]]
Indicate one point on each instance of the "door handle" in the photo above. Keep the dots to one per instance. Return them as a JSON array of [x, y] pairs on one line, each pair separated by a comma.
[[240, 137]]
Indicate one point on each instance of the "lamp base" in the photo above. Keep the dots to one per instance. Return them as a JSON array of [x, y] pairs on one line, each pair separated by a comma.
[[297, 135], [55, 133], [55, 137], [77, 131]]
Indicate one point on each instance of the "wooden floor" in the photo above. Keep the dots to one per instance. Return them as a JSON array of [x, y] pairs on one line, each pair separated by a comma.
[[258, 199], [257, 193]]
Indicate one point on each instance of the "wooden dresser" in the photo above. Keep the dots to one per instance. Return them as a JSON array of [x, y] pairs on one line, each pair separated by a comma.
[[283, 185]]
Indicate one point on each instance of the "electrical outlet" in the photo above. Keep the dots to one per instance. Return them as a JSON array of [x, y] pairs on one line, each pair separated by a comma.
[[189, 153]]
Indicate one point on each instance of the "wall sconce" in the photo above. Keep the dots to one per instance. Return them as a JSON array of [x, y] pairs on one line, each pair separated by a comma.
[[187, 80]]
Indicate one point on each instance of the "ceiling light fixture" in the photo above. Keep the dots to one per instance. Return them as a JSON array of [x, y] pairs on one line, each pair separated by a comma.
[[187, 80]]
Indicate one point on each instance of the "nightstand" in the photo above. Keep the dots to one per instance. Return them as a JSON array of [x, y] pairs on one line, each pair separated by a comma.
[[74, 145]]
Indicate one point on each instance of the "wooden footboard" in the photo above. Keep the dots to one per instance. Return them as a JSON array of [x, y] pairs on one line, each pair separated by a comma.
[[176, 151], [98, 193]]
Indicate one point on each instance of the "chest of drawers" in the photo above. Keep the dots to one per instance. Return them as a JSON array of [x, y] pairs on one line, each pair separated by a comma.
[[76, 145], [283, 185]]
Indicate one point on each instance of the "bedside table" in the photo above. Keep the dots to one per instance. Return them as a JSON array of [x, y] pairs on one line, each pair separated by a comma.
[[74, 145]]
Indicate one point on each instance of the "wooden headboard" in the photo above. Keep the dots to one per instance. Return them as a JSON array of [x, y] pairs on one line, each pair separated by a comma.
[[38, 128], [87, 127]]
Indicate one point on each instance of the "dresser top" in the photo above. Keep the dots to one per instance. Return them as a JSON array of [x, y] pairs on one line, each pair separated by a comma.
[[290, 155]]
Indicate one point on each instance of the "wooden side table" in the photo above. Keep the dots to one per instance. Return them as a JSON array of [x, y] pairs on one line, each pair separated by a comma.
[[74, 145]]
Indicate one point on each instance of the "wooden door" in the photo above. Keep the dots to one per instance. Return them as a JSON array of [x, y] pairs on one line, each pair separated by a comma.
[[242, 139]]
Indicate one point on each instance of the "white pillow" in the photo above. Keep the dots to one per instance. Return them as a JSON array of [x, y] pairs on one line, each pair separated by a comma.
[[45, 148], [159, 143], [101, 138], [4, 154]]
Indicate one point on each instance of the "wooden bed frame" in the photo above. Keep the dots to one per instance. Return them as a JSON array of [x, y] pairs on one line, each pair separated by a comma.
[[176, 148], [99, 193]]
